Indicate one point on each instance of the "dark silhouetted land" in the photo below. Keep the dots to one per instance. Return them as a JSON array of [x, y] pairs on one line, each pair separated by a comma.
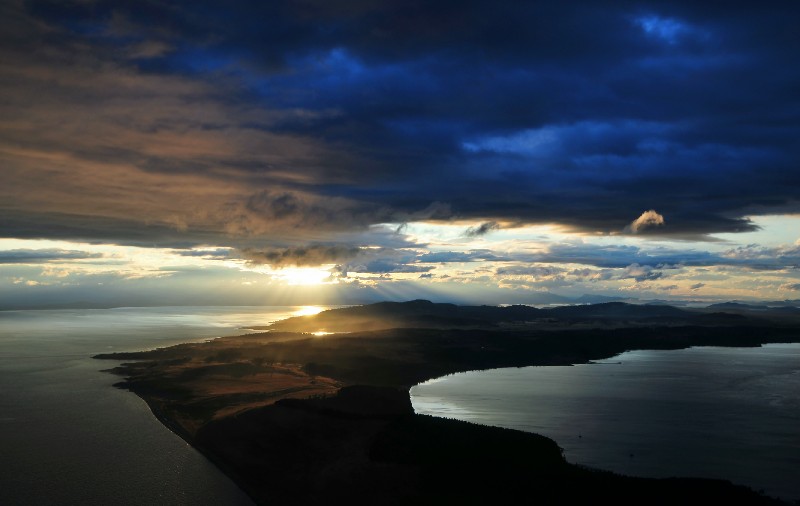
[[298, 418]]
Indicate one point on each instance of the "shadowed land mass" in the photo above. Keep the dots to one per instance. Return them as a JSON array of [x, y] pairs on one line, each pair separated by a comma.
[[298, 418]]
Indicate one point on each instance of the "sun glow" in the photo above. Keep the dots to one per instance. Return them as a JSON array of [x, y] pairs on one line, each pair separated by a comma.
[[303, 276]]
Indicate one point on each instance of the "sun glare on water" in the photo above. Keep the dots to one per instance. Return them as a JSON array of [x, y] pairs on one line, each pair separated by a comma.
[[308, 310]]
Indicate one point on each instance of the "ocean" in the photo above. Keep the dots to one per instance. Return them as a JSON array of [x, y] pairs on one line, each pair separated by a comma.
[[67, 436], [728, 413]]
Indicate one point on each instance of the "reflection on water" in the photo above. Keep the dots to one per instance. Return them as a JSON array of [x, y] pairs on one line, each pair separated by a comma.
[[68, 437], [730, 413]]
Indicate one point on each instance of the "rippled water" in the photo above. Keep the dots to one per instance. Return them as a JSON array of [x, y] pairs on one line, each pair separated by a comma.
[[731, 413], [68, 437]]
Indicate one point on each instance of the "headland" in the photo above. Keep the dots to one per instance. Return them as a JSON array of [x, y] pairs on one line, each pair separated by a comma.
[[316, 408]]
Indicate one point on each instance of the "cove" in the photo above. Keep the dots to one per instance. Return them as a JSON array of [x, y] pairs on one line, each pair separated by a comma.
[[728, 413]]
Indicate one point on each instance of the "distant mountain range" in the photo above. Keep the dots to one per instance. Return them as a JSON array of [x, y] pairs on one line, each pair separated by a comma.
[[542, 299], [427, 314]]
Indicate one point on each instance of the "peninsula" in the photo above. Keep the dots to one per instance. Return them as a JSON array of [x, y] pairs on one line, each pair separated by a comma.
[[316, 408]]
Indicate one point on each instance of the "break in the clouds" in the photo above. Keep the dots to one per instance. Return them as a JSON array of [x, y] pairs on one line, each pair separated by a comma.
[[295, 133]]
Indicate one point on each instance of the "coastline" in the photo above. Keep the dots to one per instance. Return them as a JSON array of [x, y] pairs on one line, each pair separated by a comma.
[[416, 355]]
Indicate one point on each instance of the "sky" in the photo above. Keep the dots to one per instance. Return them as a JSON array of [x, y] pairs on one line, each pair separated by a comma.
[[318, 151]]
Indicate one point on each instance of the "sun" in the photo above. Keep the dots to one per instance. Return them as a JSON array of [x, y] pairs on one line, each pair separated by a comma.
[[303, 276]]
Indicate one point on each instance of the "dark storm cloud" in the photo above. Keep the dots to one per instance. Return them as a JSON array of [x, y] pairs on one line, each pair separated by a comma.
[[287, 121]]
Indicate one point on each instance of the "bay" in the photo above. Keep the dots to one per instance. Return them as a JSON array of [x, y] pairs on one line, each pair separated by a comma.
[[67, 436], [728, 413]]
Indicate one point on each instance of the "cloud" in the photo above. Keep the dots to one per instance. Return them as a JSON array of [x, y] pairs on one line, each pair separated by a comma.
[[216, 253], [790, 287], [347, 259], [306, 256], [593, 274], [36, 256], [757, 252], [458, 256], [667, 29], [386, 265], [697, 286], [648, 220], [763, 257], [527, 270], [617, 256], [641, 273], [482, 229]]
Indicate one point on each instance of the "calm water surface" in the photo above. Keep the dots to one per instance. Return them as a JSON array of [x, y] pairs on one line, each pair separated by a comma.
[[68, 437], [731, 413]]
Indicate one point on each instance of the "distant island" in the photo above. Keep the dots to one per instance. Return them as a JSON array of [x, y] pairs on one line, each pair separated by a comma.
[[316, 408]]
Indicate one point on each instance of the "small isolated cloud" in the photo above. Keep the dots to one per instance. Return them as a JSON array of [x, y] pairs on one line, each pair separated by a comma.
[[647, 220], [697, 286], [640, 273], [482, 229], [791, 287]]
